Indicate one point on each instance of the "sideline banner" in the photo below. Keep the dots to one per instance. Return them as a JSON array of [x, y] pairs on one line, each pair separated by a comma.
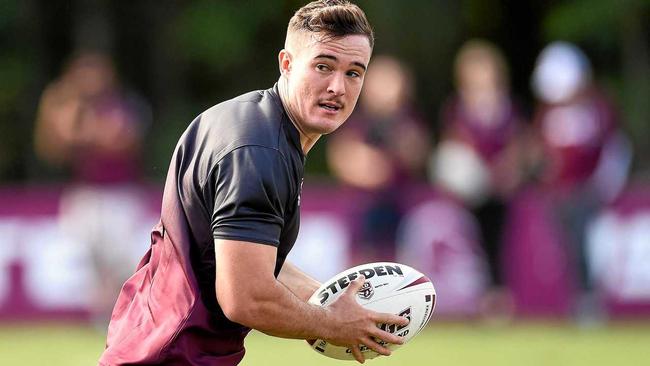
[[46, 271]]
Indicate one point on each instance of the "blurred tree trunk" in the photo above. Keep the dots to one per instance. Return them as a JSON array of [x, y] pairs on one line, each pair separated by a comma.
[[636, 75], [93, 28], [169, 89]]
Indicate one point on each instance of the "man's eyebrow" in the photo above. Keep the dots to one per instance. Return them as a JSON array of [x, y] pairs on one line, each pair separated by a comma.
[[333, 58]]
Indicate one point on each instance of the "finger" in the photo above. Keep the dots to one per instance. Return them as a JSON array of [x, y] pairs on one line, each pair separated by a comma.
[[373, 345], [386, 318], [356, 352], [382, 335], [356, 285]]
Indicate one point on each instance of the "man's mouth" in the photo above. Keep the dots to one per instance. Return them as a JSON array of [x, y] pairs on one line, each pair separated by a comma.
[[330, 106]]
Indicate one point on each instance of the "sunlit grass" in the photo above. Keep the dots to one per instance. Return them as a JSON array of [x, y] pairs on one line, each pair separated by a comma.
[[441, 344]]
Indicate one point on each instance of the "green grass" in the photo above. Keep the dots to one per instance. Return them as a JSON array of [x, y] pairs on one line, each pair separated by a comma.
[[441, 344]]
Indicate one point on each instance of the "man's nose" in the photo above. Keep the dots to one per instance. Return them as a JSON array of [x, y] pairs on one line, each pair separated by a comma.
[[337, 85]]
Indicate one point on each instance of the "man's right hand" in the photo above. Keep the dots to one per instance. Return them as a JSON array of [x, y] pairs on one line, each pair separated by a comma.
[[353, 325]]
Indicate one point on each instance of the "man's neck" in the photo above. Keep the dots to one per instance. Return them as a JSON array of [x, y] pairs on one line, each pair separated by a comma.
[[306, 141]]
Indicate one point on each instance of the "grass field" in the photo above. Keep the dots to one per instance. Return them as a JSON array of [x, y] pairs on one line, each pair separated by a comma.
[[441, 344]]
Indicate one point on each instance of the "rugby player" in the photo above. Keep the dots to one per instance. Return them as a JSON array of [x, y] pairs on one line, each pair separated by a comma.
[[230, 214]]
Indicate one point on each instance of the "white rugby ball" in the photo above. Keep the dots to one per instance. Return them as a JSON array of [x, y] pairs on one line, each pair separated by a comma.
[[389, 288]]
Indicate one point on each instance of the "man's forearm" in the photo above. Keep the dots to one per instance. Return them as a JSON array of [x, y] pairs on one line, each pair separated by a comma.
[[249, 294], [297, 281], [285, 315], [255, 298]]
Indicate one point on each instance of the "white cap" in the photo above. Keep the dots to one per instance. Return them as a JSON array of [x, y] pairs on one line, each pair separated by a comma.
[[562, 70]]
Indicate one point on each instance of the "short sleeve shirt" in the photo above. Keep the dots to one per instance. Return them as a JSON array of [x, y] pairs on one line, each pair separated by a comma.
[[239, 170], [236, 174]]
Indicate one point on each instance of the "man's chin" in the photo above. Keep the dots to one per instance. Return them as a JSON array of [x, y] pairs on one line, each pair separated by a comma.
[[325, 127]]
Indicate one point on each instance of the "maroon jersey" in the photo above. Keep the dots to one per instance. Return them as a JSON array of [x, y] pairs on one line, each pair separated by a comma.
[[390, 135], [235, 174], [487, 138], [574, 135], [99, 164]]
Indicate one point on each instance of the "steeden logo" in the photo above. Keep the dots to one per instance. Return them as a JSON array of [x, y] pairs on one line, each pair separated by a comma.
[[366, 291]]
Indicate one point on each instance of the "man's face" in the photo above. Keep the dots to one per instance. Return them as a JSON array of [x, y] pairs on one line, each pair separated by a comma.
[[324, 81]]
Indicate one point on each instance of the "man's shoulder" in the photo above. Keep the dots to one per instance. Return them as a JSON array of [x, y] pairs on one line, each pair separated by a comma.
[[256, 105], [252, 118], [255, 96]]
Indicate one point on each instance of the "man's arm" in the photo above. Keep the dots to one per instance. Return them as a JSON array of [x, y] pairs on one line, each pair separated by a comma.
[[297, 281], [249, 294]]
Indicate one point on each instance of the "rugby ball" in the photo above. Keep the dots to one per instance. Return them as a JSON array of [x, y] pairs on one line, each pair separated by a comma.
[[389, 288]]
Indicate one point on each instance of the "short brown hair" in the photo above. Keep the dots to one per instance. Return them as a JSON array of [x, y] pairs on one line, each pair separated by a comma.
[[332, 18]]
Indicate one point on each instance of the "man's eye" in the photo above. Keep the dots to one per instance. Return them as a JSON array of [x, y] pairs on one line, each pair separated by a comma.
[[322, 67], [354, 74]]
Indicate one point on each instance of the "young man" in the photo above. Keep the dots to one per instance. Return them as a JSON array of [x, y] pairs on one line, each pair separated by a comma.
[[230, 215]]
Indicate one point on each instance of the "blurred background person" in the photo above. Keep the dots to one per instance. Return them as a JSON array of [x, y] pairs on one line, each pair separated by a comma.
[[480, 157], [584, 155], [91, 127], [380, 152]]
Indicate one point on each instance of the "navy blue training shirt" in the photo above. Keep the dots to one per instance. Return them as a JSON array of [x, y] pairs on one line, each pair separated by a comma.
[[236, 174], [240, 179]]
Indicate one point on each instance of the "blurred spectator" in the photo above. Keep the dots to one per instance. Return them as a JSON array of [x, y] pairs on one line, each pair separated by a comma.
[[479, 159], [585, 156], [89, 125], [380, 151]]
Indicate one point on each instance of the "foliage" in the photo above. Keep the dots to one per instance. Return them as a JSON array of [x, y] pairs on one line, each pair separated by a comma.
[[185, 56]]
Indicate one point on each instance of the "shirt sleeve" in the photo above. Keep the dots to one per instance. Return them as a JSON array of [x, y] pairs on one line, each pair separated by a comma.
[[252, 188]]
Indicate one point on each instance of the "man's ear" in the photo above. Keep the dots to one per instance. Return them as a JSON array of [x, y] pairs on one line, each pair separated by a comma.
[[284, 60]]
